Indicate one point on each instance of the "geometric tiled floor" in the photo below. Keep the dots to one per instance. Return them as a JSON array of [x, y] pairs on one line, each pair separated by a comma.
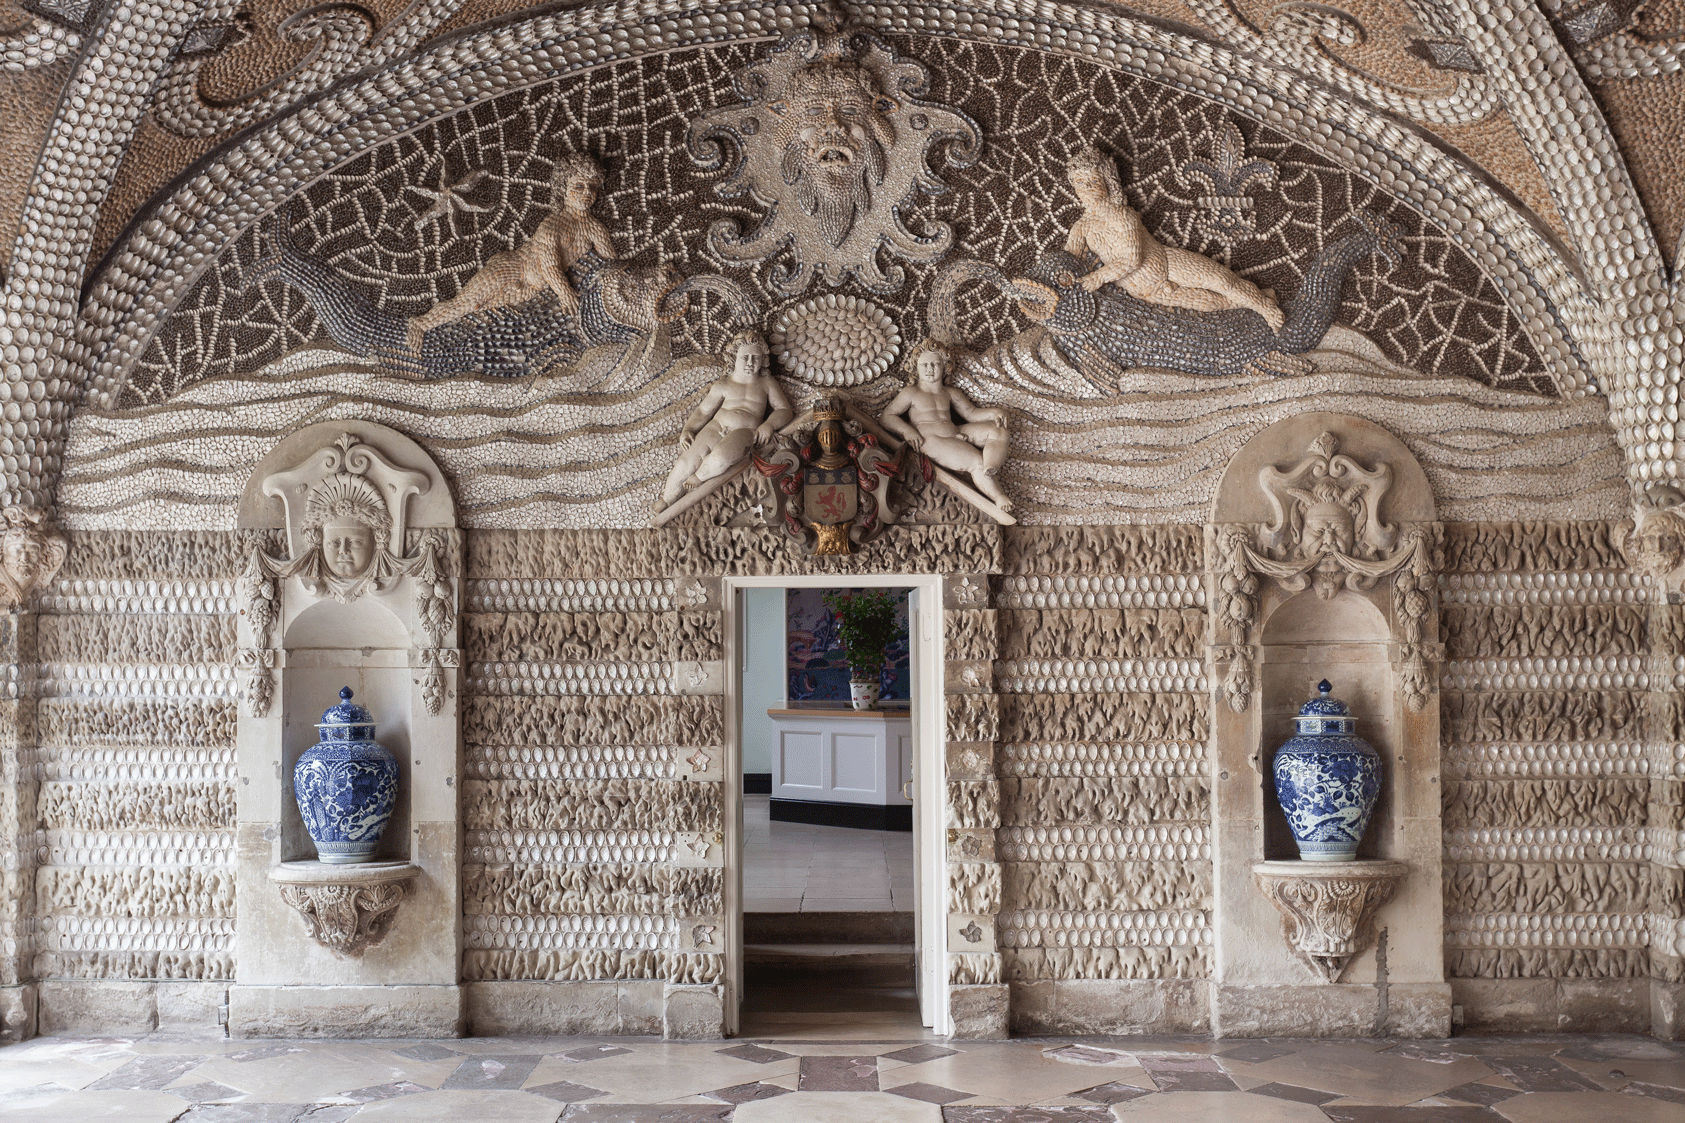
[[1558, 1079]]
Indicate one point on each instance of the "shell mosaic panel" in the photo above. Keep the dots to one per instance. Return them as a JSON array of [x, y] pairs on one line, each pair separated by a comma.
[[379, 220]]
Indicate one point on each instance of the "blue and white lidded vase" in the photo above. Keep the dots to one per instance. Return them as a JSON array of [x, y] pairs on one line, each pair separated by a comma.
[[1327, 779], [346, 784]]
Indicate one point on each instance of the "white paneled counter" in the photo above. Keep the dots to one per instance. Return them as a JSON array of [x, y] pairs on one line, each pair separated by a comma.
[[842, 767]]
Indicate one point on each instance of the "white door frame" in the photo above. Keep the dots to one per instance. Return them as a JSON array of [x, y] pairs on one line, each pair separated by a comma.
[[929, 779]]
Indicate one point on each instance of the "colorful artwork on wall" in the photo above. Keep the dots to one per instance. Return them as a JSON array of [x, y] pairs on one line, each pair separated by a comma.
[[816, 667]]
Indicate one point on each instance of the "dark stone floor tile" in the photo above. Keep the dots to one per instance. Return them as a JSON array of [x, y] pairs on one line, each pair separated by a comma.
[[384, 1091], [1427, 1113], [326, 1113], [1257, 1052], [839, 1074], [1656, 1092], [743, 1093], [427, 1051], [595, 1052], [919, 1054], [1611, 1049], [929, 1093], [482, 1073], [1539, 1074], [650, 1113], [1112, 1092], [205, 1093], [1295, 1093], [1187, 1073], [246, 1113], [566, 1091], [1085, 1055], [1434, 1052], [1065, 1114], [263, 1053], [146, 1074], [756, 1053], [1484, 1094]]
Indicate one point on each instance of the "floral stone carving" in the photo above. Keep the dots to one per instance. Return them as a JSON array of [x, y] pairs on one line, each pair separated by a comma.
[[1326, 533], [348, 909], [833, 140], [1328, 909]]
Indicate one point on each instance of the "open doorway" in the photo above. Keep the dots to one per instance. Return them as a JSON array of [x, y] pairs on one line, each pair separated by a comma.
[[837, 853]]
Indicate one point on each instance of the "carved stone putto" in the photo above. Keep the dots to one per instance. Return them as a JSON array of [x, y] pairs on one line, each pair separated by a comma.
[[348, 909], [1327, 910], [833, 139]]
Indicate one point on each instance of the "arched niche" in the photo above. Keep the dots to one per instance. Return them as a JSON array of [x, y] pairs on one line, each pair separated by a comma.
[[1322, 555], [356, 585]]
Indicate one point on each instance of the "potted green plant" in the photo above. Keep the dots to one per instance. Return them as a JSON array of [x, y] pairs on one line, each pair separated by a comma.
[[866, 625]]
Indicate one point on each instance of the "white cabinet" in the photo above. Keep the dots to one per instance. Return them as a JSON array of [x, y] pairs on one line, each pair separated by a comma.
[[842, 756]]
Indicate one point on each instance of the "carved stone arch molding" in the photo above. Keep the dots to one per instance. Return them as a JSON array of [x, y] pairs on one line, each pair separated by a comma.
[[175, 241], [1323, 558], [353, 579]]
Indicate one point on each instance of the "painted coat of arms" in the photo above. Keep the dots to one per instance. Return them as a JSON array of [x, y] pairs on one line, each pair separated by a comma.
[[831, 484]]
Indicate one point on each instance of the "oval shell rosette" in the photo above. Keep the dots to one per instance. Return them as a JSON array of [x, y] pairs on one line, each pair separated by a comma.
[[835, 340]]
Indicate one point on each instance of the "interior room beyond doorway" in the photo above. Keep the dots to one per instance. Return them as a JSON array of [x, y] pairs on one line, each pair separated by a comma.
[[828, 864]]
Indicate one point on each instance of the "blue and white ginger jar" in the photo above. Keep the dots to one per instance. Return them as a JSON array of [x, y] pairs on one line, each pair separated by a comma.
[[1327, 779], [346, 784]]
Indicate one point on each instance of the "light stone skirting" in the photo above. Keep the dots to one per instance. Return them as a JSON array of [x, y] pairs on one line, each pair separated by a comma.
[[1558, 1005], [118, 1006], [1111, 1006], [611, 1006], [1332, 1010], [345, 1011]]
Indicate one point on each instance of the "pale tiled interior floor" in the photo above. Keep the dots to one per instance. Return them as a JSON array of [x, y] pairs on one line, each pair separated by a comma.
[[793, 867], [1557, 1079]]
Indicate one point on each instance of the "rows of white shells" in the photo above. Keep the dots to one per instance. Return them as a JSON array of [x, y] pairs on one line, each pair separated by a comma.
[[135, 762], [1098, 676], [567, 595], [554, 680], [834, 340], [1547, 844], [1610, 758], [134, 848], [1548, 930], [1158, 590], [1546, 588], [1599, 672], [1110, 843], [568, 762], [130, 598], [1032, 928], [135, 680], [1088, 758], [539, 848], [137, 933], [570, 933]]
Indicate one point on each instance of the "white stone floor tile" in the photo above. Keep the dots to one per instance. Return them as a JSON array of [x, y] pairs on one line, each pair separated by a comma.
[[90, 1107], [819, 867]]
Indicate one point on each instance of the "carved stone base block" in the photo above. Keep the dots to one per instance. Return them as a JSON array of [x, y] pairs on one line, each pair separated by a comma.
[[1326, 907], [1557, 1005], [348, 909], [1110, 1006], [17, 1014], [549, 1008], [693, 1013], [398, 1011], [1337, 1010], [980, 1011]]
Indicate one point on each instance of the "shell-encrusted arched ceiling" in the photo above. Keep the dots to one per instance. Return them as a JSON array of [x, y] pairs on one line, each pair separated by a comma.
[[177, 133]]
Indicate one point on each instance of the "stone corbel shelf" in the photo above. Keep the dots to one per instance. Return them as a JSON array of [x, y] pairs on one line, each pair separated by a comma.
[[348, 908], [1327, 907]]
